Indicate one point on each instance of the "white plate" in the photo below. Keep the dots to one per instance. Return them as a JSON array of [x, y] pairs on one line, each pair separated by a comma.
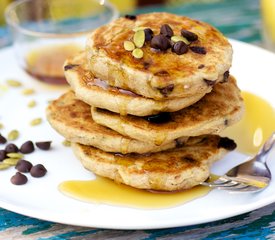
[[40, 198]]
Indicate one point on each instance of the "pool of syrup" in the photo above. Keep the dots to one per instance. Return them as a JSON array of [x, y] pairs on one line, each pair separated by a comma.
[[46, 63], [250, 133]]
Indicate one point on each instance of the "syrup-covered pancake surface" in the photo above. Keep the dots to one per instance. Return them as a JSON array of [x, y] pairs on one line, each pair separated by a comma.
[[213, 113], [98, 93], [171, 170], [72, 119], [165, 70]]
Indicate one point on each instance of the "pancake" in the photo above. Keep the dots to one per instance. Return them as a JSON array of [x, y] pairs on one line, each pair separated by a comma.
[[159, 74], [98, 93], [72, 119], [214, 112], [172, 170]]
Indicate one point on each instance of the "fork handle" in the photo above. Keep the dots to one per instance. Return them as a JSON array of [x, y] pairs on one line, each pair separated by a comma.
[[267, 146]]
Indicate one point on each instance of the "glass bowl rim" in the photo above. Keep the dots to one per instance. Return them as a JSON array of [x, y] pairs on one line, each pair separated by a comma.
[[9, 9]]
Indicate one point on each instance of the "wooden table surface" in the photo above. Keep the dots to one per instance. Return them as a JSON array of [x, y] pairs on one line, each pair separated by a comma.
[[237, 19]]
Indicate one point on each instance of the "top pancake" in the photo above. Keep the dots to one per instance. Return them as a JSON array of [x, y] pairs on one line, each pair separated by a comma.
[[158, 75]]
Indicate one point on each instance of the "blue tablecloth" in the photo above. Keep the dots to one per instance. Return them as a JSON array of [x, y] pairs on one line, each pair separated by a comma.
[[237, 19]]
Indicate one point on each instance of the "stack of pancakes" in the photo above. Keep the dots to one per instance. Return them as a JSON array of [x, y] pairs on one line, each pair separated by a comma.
[[149, 120]]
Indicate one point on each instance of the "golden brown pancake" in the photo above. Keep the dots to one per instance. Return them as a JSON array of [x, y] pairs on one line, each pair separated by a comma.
[[172, 170], [72, 119], [214, 112], [159, 74], [98, 93]]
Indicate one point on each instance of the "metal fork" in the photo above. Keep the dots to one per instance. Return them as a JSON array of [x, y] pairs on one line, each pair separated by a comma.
[[250, 176]]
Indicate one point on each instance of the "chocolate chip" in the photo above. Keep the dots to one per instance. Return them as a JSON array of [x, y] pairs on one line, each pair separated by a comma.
[[160, 42], [225, 76], [146, 65], [179, 143], [3, 155], [210, 83], [130, 17], [43, 145], [38, 171], [163, 117], [70, 66], [225, 122], [23, 166], [148, 34], [11, 148], [167, 90], [27, 147], [166, 31], [162, 73], [201, 66], [227, 143], [3, 140], [180, 48], [198, 50], [190, 36], [19, 179]]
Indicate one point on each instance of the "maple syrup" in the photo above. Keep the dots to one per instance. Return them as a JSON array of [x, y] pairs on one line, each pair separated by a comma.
[[250, 133], [46, 63]]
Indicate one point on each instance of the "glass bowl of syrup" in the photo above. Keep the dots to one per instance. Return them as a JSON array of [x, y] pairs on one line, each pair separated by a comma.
[[46, 32]]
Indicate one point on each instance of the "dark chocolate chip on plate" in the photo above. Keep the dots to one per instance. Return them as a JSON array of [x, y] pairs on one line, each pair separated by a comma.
[[3, 155], [190, 36], [11, 148], [3, 140], [19, 179], [160, 42], [198, 50], [38, 171], [180, 48], [44, 145], [23, 166], [166, 31], [27, 147]]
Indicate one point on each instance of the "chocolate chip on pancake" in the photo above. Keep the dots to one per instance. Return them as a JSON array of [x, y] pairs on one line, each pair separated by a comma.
[[166, 31], [198, 50], [160, 42], [180, 48], [130, 17], [148, 34], [190, 36]]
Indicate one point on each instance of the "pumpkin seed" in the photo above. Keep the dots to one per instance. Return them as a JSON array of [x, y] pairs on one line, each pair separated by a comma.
[[15, 155], [28, 91], [13, 135], [66, 143], [139, 38], [129, 46], [4, 166], [14, 83], [32, 104], [180, 38], [35, 121], [11, 161], [137, 53]]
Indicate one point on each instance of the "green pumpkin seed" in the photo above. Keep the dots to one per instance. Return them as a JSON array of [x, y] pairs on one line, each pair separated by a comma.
[[139, 38], [28, 91], [15, 155], [66, 143], [32, 104], [129, 46], [137, 53], [35, 121], [4, 166], [13, 135], [180, 38], [13, 83], [11, 161]]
